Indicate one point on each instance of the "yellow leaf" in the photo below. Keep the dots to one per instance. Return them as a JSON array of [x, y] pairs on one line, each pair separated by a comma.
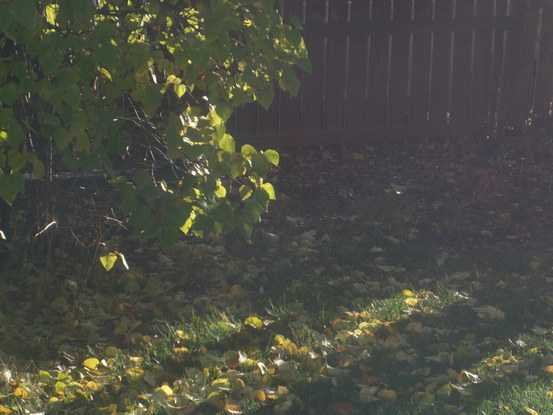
[[268, 187], [548, 368], [106, 73], [4, 410], [259, 395], [550, 394], [93, 386], [531, 411], [21, 392], [179, 89], [167, 390], [255, 322], [109, 260], [220, 382], [91, 363], [182, 335], [134, 373], [408, 293], [411, 302]]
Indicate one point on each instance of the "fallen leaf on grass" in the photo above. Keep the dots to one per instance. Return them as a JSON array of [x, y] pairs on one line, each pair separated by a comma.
[[548, 368], [21, 392], [387, 396], [91, 363], [489, 312]]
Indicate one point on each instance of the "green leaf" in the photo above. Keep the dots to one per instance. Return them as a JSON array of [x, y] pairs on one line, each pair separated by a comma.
[[227, 143], [223, 213], [179, 90], [268, 188], [49, 62], [175, 211], [266, 98], [248, 151], [104, 31], [8, 94], [260, 164], [108, 56], [24, 11], [10, 186], [5, 17], [272, 156], [245, 192]]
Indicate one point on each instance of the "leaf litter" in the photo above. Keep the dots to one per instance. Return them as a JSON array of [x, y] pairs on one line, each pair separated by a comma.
[[389, 279]]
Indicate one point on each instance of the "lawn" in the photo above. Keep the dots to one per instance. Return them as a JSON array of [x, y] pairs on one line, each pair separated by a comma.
[[404, 278]]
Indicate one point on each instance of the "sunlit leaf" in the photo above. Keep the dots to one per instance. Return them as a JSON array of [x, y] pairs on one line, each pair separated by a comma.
[[255, 322], [109, 260], [21, 392], [93, 386], [268, 187], [91, 363], [134, 373], [272, 156]]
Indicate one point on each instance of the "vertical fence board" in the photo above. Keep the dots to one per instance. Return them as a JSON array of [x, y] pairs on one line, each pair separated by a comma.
[[336, 69], [291, 107], [544, 79], [502, 6], [421, 67], [424, 9], [313, 90], [268, 119], [517, 80], [245, 121], [400, 70], [398, 107], [462, 67], [357, 69], [378, 75], [441, 67], [381, 11], [503, 62], [481, 79]]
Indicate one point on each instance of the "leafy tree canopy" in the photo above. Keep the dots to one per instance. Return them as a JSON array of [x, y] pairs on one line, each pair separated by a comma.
[[86, 83]]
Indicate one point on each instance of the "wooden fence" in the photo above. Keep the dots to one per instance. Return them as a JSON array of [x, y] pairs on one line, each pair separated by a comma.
[[400, 69]]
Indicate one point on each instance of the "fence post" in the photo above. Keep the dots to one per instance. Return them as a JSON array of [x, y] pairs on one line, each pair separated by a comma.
[[528, 60]]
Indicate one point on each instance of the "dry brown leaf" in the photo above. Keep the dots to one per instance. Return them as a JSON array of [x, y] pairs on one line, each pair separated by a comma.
[[548, 368]]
